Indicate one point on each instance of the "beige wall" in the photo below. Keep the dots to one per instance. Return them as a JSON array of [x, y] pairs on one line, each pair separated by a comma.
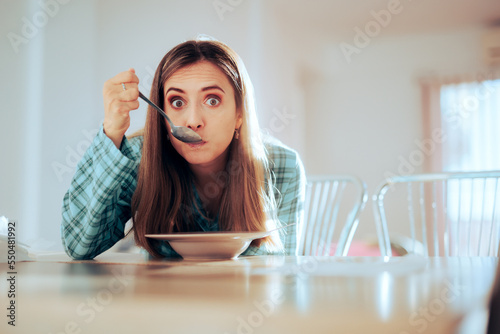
[[369, 112]]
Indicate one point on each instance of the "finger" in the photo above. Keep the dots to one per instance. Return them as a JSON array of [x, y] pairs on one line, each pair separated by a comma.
[[128, 86], [128, 95], [125, 107], [113, 92], [132, 105], [126, 77], [131, 92]]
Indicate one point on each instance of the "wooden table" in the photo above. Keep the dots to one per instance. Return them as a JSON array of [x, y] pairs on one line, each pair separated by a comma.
[[127, 294]]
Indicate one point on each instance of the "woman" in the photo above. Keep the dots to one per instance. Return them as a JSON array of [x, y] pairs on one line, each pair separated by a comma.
[[231, 181]]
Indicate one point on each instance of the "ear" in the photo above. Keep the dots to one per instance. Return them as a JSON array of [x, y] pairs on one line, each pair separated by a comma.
[[239, 121], [239, 118]]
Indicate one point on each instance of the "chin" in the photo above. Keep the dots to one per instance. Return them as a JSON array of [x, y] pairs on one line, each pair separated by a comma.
[[198, 159]]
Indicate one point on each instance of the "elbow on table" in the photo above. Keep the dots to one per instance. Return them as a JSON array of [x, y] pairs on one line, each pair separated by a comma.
[[76, 243], [78, 253]]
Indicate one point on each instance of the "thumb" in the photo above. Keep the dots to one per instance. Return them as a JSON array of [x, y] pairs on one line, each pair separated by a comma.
[[131, 70]]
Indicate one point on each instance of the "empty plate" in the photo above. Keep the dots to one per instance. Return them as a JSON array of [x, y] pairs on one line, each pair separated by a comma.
[[211, 245]]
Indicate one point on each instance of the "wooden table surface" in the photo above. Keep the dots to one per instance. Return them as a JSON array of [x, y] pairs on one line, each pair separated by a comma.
[[124, 293]]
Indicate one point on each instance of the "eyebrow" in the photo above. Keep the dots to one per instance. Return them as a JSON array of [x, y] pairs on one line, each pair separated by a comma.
[[212, 87], [174, 89], [203, 89]]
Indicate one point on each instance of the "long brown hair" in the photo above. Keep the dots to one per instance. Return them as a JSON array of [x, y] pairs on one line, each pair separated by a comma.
[[164, 199]]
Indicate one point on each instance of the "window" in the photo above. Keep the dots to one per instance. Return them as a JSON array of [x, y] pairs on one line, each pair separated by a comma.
[[467, 114], [470, 120]]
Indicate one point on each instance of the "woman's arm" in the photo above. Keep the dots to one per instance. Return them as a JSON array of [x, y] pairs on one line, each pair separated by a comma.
[[290, 185], [97, 204]]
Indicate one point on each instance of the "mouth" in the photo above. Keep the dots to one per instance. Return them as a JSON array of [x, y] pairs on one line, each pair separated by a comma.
[[196, 145]]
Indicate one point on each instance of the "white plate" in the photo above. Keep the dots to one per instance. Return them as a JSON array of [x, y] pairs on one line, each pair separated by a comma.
[[211, 245], [209, 236]]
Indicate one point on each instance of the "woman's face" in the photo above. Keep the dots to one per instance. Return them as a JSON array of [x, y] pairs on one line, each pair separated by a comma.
[[201, 98]]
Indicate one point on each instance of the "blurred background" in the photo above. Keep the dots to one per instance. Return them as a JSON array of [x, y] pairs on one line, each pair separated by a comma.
[[351, 85]]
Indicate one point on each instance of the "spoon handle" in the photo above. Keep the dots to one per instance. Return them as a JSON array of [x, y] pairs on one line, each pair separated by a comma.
[[157, 108]]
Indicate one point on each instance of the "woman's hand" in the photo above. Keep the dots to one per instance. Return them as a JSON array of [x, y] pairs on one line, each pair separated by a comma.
[[118, 103]]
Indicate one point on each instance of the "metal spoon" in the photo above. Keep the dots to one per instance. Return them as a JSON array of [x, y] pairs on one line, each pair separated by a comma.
[[180, 132]]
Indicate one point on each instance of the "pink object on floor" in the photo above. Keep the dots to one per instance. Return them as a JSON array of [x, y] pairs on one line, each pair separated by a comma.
[[359, 248]]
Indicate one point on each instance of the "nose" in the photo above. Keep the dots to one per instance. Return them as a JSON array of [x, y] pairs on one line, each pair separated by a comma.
[[194, 119]]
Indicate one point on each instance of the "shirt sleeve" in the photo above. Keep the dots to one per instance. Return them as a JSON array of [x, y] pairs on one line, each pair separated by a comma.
[[290, 185], [97, 203]]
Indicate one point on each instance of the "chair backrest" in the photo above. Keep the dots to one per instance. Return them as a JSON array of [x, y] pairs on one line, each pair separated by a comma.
[[444, 214], [332, 207]]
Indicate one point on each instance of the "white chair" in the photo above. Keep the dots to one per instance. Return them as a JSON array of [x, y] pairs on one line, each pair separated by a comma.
[[442, 214], [332, 207]]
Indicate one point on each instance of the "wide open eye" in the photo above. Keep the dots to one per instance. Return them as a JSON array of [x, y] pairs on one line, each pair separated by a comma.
[[213, 101], [177, 103]]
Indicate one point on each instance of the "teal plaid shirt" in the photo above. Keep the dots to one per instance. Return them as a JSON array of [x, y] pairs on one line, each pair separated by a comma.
[[97, 205]]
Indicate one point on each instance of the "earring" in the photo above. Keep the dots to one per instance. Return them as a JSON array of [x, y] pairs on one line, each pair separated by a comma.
[[236, 133]]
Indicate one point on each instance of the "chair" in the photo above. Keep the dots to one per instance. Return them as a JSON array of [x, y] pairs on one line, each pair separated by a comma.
[[332, 207], [444, 214]]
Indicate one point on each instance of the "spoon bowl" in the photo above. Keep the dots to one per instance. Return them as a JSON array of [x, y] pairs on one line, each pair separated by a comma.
[[182, 133]]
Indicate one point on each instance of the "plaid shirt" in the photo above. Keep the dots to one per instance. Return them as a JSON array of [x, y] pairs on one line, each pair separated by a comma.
[[97, 205]]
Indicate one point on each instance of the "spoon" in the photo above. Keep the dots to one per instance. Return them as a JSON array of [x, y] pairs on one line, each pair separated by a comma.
[[180, 132]]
